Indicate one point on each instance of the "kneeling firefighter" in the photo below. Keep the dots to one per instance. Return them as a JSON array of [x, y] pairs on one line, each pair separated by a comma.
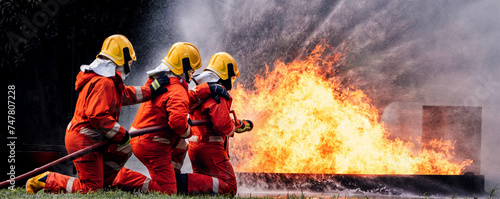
[[212, 170], [101, 95], [158, 150]]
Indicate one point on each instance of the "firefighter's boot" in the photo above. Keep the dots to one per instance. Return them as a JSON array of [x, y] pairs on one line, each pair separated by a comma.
[[36, 183]]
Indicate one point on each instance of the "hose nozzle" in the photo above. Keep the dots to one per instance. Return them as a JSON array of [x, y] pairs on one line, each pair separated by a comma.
[[246, 125]]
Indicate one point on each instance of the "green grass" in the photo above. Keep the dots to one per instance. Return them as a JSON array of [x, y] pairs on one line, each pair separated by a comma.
[[21, 193], [492, 193]]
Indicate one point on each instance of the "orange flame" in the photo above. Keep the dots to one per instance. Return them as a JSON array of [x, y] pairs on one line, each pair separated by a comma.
[[306, 123]]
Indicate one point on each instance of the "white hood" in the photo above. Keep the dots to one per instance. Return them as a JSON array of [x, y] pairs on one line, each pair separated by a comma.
[[162, 68], [103, 67], [205, 76]]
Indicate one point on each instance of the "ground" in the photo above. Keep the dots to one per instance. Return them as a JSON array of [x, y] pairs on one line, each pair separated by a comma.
[[21, 193]]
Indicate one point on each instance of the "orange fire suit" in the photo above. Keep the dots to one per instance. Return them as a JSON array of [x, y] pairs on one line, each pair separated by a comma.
[[96, 118], [212, 171], [158, 151]]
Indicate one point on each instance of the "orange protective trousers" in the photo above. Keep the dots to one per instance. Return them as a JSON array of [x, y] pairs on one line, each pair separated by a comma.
[[95, 119], [160, 152], [212, 170]]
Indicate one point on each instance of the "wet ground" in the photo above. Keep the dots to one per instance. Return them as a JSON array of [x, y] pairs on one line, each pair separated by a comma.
[[243, 191]]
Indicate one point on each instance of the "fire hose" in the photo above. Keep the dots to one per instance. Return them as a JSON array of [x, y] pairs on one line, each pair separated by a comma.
[[96, 146], [89, 149]]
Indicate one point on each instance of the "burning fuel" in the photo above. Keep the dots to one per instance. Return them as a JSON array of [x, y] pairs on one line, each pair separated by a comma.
[[307, 122]]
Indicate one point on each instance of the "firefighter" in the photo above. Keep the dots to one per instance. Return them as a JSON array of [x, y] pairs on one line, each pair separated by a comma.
[[101, 95], [212, 171], [163, 152]]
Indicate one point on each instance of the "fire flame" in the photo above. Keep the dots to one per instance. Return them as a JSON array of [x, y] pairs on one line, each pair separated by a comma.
[[306, 122]]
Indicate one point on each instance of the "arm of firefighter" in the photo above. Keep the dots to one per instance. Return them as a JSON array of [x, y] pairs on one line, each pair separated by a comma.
[[136, 94], [99, 104], [219, 115], [177, 107], [139, 94], [198, 95], [205, 90]]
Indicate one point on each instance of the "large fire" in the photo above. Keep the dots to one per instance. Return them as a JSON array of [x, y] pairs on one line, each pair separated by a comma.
[[305, 122]]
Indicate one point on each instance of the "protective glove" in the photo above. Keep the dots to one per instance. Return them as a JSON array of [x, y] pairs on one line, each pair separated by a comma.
[[158, 86], [125, 140], [217, 91], [246, 125]]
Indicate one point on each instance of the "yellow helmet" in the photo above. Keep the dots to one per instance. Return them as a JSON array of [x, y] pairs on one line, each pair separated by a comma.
[[224, 65], [182, 57], [118, 49]]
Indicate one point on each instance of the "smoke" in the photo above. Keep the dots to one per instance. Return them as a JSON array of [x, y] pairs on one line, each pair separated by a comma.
[[425, 52], [408, 51]]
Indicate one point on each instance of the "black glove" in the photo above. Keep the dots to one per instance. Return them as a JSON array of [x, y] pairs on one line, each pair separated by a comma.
[[125, 140], [217, 91], [158, 86]]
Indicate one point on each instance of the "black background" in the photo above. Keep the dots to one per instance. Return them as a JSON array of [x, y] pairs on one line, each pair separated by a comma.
[[44, 66]]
